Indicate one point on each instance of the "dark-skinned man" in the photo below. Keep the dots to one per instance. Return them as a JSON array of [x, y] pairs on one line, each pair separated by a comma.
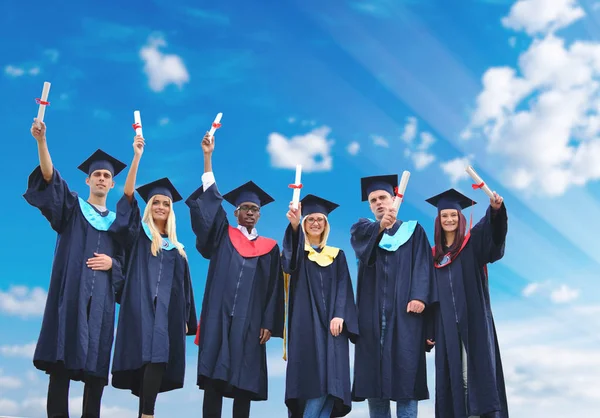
[[243, 305]]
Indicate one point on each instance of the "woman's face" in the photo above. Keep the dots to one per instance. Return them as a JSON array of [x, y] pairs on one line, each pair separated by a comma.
[[314, 224], [449, 220], [161, 207]]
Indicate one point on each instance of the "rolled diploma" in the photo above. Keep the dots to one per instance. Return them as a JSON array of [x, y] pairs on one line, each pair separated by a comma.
[[401, 189], [478, 180], [296, 196], [213, 129], [44, 98], [138, 120]]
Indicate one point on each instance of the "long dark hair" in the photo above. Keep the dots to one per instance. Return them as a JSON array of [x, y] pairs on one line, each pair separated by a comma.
[[440, 237]]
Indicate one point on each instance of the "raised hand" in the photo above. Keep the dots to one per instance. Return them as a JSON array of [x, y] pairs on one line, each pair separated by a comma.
[[294, 216], [496, 201], [38, 130], [138, 145], [208, 144]]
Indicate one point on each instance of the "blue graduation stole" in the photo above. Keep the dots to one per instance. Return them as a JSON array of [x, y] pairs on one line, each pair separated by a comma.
[[401, 236], [97, 221], [166, 243]]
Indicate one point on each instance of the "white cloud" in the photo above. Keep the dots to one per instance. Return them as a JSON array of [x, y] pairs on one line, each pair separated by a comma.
[[542, 16], [308, 122], [544, 119], [353, 148], [422, 159], [512, 41], [22, 301], [162, 69], [25, 350], [530, 289], [410, 129], [380, 141], [564, 294], [52, 55], [455, 169], [163, 121], [291, 119], [426, 141], [9, 382], [312, 150], [8, 406], [34, 71], [14, 71]]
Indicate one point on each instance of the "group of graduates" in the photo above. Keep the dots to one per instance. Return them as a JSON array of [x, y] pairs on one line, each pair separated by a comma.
[[410, 297]]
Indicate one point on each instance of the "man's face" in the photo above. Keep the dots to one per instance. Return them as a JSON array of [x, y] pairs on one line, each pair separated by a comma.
[[379, 202], [100, 182], [247, 214]]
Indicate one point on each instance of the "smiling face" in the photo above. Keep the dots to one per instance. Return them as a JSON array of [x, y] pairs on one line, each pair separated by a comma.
[[161, 207], [247, 214], [379, 202], [314, 224], [100, 182], [449, 220]]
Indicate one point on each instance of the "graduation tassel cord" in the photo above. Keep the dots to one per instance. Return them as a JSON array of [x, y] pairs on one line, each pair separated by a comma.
[[286, 282]]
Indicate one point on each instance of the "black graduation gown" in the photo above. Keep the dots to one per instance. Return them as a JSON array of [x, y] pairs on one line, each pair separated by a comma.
[[242, 295], [463, 293], [78, 324], [389, 280], [318, 362], [157, 304]]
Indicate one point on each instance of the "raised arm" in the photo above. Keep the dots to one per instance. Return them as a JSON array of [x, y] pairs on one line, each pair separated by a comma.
[[489, 235], [138, 150], [38, 130], [293, 241]]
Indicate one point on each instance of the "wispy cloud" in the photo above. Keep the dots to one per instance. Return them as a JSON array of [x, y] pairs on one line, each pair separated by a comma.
[[9, 382], [312, 150], [380, 141], [19, 71], [455, 169], [25, 350], [162, 69], [208, 16], [410, 130], [558, 294], [23, 301], [353, 148], [564, 294]]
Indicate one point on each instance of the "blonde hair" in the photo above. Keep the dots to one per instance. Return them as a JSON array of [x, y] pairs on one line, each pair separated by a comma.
[[169, 228], [324, 234]]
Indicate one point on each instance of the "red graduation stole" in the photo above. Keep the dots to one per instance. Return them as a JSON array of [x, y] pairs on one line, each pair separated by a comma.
[[247, 249], [435, 264]]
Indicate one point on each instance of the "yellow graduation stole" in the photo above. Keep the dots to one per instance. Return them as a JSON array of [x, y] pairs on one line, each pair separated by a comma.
[[323, 258]]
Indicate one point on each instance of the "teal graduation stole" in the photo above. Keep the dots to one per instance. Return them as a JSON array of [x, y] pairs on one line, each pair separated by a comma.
[[97, 221], [393, 242], [166, 243]]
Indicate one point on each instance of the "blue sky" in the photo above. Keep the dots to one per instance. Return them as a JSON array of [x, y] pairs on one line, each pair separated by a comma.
[[348, 89]]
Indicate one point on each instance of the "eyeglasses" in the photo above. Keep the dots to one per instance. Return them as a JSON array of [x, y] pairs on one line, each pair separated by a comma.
[[312, 220], [246, 208]]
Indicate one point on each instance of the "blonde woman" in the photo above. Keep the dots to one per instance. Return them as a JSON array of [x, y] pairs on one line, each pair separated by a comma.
[[322, 315], [157, 306]]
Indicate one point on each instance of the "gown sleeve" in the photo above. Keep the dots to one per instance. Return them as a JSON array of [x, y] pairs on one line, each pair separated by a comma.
[[365, 237], [422, 272], [293, 249], [273, 313], [345, 307], [209, 220], [190, 306], [128, 222], [54, 199], [489, 235]]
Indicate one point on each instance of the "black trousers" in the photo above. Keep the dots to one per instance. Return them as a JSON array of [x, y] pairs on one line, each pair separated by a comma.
[[213, 402], [152, 375], [57, 404]]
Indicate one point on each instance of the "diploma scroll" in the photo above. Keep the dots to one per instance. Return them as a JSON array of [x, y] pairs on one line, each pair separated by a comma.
[[479, 183]]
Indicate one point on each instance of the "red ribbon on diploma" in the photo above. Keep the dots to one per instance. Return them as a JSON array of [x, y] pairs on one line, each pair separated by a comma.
[[136, 126], [295, 186], [216, 125], [41, 102], [400, 195], [478, 186]]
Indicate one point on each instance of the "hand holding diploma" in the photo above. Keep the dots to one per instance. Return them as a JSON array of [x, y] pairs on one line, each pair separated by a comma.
[[215, 125], [137, 125], [400, 190], [293, 215]]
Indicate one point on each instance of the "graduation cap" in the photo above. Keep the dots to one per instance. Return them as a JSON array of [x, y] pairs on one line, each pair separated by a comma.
[[248, 192], [451, 199], [100, 160], [315, 204], [370, 184], [162, 186]]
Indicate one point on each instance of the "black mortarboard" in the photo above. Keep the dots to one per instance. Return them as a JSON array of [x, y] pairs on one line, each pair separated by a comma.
[[100, 160], [369, 184], [163, 187], [315, 204], [248, 192], [451, 199]]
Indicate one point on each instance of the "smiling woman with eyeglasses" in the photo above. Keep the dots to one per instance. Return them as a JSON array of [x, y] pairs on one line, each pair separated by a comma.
[[322, 315], [469, 378]]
